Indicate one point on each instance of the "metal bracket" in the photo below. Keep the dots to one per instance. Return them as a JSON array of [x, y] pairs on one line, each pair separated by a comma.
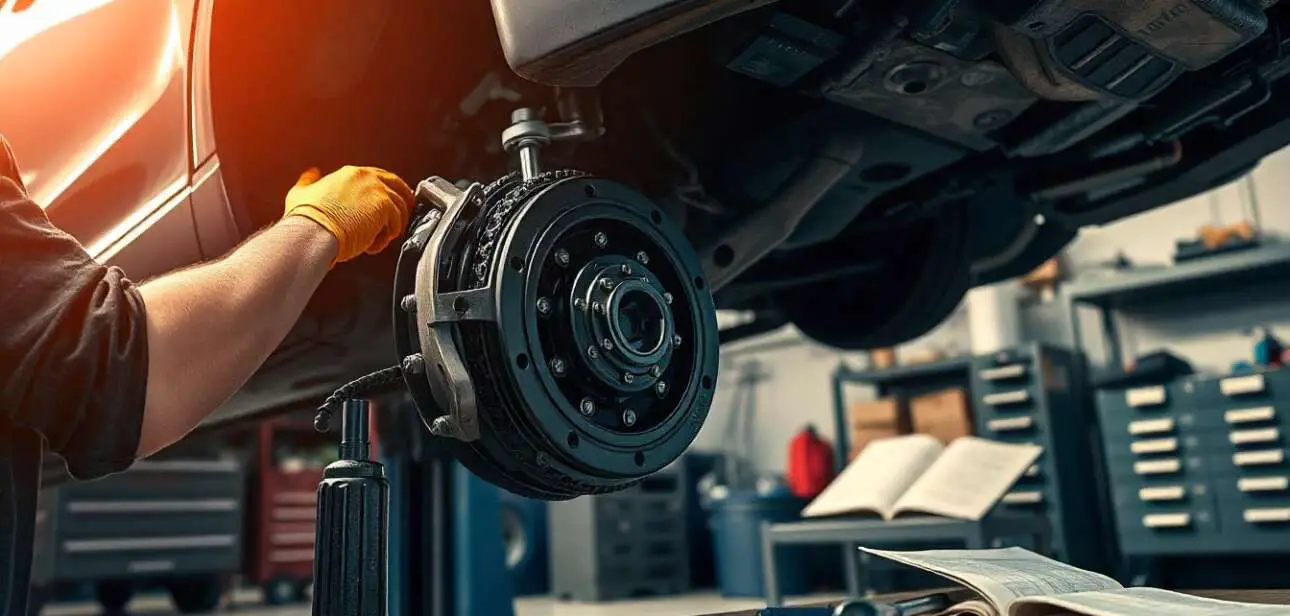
[[449, 379]]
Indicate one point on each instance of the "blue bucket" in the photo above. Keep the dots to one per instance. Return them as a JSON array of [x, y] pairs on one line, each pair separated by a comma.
[[736, 536]]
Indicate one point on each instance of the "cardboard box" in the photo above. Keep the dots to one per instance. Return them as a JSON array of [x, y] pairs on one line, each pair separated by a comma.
[[944, 414], [884, 412], [863, 436]]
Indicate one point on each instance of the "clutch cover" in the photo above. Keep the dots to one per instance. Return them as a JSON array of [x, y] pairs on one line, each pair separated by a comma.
[[557, 332]]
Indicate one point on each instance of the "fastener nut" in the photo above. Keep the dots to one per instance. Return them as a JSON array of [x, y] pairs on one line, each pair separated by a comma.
[[593, 352], [409, 303], [625, 269], [642, 257], [660, 388], [676, 340], [629, 417], [414, 364], [579, 303], [607, 284], [543, 306], [587, 407], [656, 370], [562, 257], [667, 297], [628, 377], [597, 307], [601, 239], [558, 366], [606, 344]]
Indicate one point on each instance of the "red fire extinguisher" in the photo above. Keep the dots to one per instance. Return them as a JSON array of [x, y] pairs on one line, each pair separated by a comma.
[[810, 463]]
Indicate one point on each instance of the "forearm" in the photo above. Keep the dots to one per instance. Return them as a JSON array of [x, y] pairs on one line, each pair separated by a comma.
[[211, 326]]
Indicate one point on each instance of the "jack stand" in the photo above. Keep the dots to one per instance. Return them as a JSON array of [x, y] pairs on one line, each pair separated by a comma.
[[349, 548]]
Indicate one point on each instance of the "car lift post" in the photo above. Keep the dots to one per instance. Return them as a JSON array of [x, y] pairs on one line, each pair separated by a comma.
[[447, 554]]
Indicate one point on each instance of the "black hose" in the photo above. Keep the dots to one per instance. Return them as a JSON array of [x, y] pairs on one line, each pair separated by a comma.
[[358, 388]]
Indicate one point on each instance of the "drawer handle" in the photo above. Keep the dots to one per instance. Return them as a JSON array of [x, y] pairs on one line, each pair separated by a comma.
[[1261, 413], [1006, 397], [1241, 385], [1255, 458], [1166, 520], [1145, 396], [1033, 471], [1003, 373], [1157, 467], [1163, 493], [1263, 484], [1262, 435], [1160, 445], [1033, 497], [1011, 423], [1264, 516], [1151, 426]]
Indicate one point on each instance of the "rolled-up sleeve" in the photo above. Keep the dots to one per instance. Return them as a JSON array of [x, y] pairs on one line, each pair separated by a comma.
[[73, 347]]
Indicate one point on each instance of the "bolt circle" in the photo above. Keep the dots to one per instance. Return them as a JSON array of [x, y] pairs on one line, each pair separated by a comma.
[[628, 377], [587, 407], [543, 306], [558, 366], [593, 352], [562, 257], [601, 239], [643, 257], [629, 417]]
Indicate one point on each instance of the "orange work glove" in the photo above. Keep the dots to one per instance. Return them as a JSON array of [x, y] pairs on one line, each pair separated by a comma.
[[364, 207]]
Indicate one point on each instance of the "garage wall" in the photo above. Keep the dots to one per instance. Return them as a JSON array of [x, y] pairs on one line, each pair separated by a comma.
[[798, 388]]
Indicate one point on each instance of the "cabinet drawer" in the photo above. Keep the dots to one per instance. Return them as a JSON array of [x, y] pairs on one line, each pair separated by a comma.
[[1014, 424], [1008, 399]]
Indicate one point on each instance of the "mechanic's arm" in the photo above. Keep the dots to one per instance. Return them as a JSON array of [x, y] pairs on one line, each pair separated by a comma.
[[210, 327]]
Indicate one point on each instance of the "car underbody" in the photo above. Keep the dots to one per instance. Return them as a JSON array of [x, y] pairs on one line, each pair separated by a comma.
[[850, 167]]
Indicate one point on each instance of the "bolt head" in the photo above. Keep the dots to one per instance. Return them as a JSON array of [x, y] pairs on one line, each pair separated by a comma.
[[543, 306], [606, 284], [414, 364], [409, 303], [667, 297], [643, 257], [593, 352], [629, 417], [562, 257], [579, 303], [606, 344], [625, 269], [660, 388], [558, 366], [601, 239], [587, 407], [628, 377], [676, 340], [656, 371], [597, 307]]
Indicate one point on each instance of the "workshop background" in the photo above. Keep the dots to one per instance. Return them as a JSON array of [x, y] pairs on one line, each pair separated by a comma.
[[789, 413]]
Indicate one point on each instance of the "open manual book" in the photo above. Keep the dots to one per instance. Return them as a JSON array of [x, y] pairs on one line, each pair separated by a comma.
[[916, 473], [1017, 582]]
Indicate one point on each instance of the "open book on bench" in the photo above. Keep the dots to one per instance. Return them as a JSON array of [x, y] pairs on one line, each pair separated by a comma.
[[916, 473], [1017, 582]]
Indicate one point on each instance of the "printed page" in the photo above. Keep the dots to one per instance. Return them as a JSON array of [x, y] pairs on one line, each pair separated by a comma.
[[968, 479], [1002, 576], [1140, 602], [877, 477]]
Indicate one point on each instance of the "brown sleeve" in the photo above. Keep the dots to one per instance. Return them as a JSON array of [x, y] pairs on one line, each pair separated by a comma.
[[73, 347]]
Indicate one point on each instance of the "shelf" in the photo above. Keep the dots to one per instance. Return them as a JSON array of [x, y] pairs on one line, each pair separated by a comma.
[[1207, 275], [912, 372]]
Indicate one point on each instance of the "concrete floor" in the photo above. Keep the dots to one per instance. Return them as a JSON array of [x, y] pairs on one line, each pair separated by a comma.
[[247, 603]]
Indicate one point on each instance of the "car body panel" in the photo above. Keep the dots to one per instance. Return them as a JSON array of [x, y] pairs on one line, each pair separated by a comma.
[[94, 98]]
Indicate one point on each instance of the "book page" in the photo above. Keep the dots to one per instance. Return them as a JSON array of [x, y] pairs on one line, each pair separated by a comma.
[[877, 477], [1004, 575], [968, 479], [1140, 602]]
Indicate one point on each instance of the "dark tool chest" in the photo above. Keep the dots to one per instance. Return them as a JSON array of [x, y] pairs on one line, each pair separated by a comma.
[[1036, 394], [159, 519], [1200, 465], [625, 544]]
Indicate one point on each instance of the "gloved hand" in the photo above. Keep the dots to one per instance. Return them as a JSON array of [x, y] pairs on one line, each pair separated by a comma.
[[364, 207]]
